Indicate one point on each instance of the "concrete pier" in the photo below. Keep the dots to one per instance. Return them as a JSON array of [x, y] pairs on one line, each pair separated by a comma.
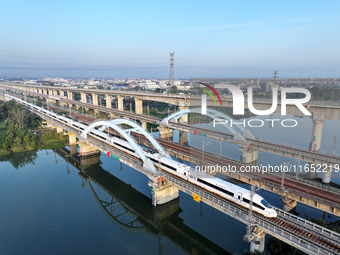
[[288, 204], [327, 176], [59, 129], [73, 149], [87, 150], [184, 118], [317, 134], [94, 99], [120, 100], [162, 192], [144, 124], [164, 132], [138, 106], [83, 97], [183, 137], [256, 237], [257, 245], [249, 155], [72, 138], [108, 101], [69, 95]]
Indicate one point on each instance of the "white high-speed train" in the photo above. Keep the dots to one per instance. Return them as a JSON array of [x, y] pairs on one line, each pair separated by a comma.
[[218, 186]]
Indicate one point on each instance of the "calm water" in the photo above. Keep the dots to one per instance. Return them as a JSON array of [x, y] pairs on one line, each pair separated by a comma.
[[50, 206], [47, 207]]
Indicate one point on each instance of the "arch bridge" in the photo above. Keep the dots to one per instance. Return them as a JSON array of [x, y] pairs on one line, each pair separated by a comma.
[[117, 125], [239, 133]]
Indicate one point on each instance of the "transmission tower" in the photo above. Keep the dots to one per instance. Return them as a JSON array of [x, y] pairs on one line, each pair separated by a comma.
[[172, 70], [275, 75]]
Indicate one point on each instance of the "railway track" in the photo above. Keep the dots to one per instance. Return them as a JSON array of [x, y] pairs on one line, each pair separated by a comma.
[[213, 159], [292, 186], [325, 244], [289, 184]]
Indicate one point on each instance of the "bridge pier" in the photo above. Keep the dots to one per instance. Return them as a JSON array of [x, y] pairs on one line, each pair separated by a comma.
[[164, 212], [184, 118], [87, 150], [73, 149], [62, 104], [318, 121], [144, 124], [94, 99], [112, 115], [164, 132], [51, 101], [257, 244], [59, 129], [327, 176], [108, 101], [120, 103], [183, 137], [249, 155], [138, 106], [83, 97], [72, 138], [162, 192], [69, 95], [288, 204], [312, 174], [88, 161]]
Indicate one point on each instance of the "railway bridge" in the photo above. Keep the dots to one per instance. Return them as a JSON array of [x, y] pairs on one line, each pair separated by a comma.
[[300, 233], [249, 154], [293, 189]]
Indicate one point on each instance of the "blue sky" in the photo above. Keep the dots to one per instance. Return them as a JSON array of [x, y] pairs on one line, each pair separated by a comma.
[[133, 38]]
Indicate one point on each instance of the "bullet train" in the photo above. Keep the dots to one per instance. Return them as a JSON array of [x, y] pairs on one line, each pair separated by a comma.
[[218, 186]]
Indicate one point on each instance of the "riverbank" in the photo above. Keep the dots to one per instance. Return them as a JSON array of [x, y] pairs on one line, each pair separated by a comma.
[[21, 130], [45, 139]]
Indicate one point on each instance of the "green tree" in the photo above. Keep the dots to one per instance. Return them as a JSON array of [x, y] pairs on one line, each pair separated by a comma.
[[173, 90]]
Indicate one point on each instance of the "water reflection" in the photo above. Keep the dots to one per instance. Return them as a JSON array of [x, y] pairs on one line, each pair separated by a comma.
[[21, 159], [132, 210]]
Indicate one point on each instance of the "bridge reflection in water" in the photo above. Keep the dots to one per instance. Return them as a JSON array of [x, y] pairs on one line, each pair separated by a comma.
[[133, 211]]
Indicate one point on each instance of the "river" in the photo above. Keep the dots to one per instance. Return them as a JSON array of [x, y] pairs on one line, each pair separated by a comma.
[[50, 206]]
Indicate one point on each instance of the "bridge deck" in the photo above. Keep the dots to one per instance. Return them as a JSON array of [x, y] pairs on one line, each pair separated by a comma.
[[297, 234]]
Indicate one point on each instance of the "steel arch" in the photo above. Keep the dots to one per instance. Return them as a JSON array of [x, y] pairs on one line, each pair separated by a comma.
[[138, 129], [133, 226], [147, 165], [239, 132]]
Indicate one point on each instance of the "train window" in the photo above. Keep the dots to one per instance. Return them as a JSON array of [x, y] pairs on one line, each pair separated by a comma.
[[126, 148], [246, 200], [172, 168], [265, 203], [156, 161], [216, 187], [258, 206]]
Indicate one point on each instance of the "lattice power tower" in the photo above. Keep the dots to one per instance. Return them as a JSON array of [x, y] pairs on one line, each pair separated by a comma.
[[172, 70]]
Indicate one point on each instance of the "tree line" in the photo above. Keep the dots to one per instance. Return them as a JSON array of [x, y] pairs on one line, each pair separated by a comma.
[[18, 123]]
